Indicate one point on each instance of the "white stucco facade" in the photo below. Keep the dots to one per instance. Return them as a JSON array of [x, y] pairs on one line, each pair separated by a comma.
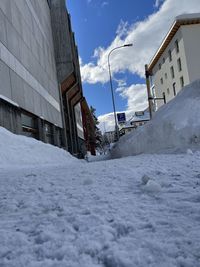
[[176, 66]]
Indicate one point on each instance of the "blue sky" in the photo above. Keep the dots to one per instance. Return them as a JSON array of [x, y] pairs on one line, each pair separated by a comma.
[[101, 25]]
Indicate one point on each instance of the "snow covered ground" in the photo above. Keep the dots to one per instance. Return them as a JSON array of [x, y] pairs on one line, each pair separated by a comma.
[[175, 127], [135, 211], [57, 211], [18, 151]]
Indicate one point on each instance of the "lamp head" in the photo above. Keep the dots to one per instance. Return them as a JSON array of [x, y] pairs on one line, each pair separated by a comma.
[[128, 45]]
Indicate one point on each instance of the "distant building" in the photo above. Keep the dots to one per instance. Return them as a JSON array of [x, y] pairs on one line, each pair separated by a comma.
[[68, 73], [177, 61], [139, 119], [40, 89]]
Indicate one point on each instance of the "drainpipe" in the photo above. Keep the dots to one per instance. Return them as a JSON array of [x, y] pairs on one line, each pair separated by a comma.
[[148, 90]]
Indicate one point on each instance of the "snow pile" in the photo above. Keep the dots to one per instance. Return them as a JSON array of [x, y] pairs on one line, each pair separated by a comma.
[[18, 150], [141, 211], [174, 128]]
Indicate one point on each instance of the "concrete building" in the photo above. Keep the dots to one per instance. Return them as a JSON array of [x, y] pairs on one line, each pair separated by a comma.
[[68, 73], [29, 90], [177, 61], [40, 89]]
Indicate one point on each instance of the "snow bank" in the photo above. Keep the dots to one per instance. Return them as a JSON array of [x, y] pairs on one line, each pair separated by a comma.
[[18, 150], [175, 127]]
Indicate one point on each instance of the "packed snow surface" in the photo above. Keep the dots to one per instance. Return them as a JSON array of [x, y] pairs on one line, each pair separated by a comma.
[[175, 127], [18, 150], [135, 211]]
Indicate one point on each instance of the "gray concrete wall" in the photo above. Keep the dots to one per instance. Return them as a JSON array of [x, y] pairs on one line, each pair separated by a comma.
[[61, 29], [27, 63]]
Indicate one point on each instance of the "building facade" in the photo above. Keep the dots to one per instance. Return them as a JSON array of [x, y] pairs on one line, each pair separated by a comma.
[[68, 73], [29, 91], [177, 61], [40, 88]]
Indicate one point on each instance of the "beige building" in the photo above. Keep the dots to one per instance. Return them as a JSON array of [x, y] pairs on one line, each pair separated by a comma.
[[177, 61]]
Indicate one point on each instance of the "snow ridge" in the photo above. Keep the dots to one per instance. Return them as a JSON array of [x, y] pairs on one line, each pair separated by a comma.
[[174, 128]]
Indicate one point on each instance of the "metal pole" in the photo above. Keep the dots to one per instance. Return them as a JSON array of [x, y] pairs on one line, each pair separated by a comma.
[[113, 101], [112, 93]]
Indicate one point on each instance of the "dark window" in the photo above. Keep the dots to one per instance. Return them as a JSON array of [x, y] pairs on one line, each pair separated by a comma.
[[177, 46], [165, 75], [164, 98], [182, 82], [163, 60], [161, 80], [179, 64], [159, 66], [29, 125], [172, 72], [48, 133], [170, 55], [49, 3], [174, 88]]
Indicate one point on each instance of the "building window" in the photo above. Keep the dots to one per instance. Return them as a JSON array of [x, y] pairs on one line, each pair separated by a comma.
[[48, 132], [161, 80], [168, 91], [29, 125], [164, 97], [174, 88], [172, 72], [182, 81], [179, 64], [159, 66], [170, 55], [163, 60], [165, 75], [177, 46], [49, 3]]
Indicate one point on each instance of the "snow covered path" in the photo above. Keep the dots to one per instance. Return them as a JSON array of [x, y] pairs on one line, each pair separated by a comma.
[[101, 214]]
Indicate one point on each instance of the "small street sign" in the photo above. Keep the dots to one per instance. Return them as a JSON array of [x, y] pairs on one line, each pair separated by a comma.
[[121, 117]]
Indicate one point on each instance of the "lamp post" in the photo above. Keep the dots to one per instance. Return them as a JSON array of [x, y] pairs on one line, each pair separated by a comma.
[[111, 87]]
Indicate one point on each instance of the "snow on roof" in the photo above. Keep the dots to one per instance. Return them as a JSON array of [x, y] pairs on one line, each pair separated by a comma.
[[137, 118], [174, 127]]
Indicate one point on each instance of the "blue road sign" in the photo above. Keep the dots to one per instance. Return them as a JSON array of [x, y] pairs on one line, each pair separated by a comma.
[[121, 117]]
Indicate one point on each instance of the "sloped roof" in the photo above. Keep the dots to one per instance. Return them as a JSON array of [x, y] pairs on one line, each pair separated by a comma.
[[185, 19]]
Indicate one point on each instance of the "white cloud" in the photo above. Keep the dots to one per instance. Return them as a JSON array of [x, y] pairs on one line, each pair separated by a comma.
[[136, 96], [146, 37]]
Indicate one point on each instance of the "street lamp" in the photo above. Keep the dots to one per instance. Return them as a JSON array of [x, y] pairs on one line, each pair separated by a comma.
[[111, 87]]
